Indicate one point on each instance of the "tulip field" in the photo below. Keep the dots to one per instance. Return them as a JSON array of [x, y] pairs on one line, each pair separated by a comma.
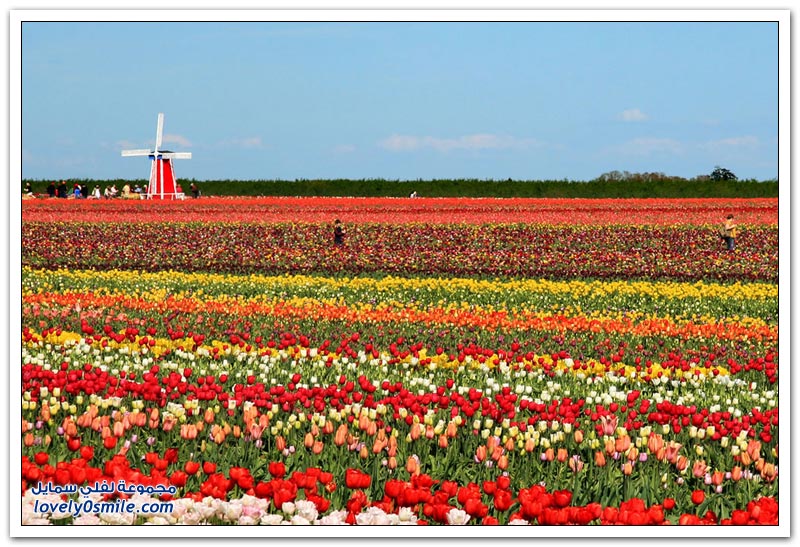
[[476, 361]]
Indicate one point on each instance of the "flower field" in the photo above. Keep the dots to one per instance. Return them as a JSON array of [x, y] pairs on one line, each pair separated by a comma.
[[486, 362]]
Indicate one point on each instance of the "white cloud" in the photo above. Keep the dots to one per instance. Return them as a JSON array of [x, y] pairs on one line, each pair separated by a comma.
[[747, 141], [242, 142], [633, 115], [123, 145], [481, 141], [646, 146], [177, 139]]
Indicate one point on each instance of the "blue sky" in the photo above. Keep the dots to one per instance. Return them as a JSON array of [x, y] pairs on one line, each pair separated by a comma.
[[411, 100]]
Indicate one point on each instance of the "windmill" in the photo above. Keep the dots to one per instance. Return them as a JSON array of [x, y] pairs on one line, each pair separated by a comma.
[[162, 176]]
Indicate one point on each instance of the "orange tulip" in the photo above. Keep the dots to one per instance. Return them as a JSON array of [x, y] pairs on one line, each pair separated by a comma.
[[308, 440], [529, 445], [599, 459], [655, 443], [627, 468], [622, 443], [45, 412], [480, 453], [502, 462], [280, 443], [754, 450], [317, 448], [562, 455], [549, 454], [578, 436], [443, 441], [497, 452], [736, 473], [341, 435]]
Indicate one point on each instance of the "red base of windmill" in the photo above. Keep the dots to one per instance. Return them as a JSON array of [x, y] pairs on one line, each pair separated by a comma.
[[162, 181]]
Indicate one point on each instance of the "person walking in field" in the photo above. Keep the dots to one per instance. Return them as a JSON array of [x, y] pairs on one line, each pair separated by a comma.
[[338, 233], [728, 233]]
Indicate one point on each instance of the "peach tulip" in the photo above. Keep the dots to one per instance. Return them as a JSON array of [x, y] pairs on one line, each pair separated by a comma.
[[769, 472], [672, 451], [699, 468]]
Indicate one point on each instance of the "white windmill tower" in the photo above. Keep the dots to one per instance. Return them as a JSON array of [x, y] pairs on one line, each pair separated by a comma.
[[162, 175]]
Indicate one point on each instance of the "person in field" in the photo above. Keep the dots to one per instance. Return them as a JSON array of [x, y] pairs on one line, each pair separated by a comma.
[[195, 190], [338, 233], [728, 233]]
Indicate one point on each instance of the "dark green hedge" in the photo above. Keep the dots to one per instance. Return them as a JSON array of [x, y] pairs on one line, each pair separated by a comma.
[[630, 188]]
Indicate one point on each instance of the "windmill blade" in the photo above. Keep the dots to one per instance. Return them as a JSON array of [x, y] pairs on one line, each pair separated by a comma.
[[160, 130], [177, 155], [140, 152]]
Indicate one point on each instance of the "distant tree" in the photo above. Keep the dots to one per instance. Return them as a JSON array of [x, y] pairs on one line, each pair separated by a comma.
[[720, 173]]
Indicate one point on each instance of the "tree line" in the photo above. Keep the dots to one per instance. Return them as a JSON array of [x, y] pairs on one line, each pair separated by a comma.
[[609, 185]]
